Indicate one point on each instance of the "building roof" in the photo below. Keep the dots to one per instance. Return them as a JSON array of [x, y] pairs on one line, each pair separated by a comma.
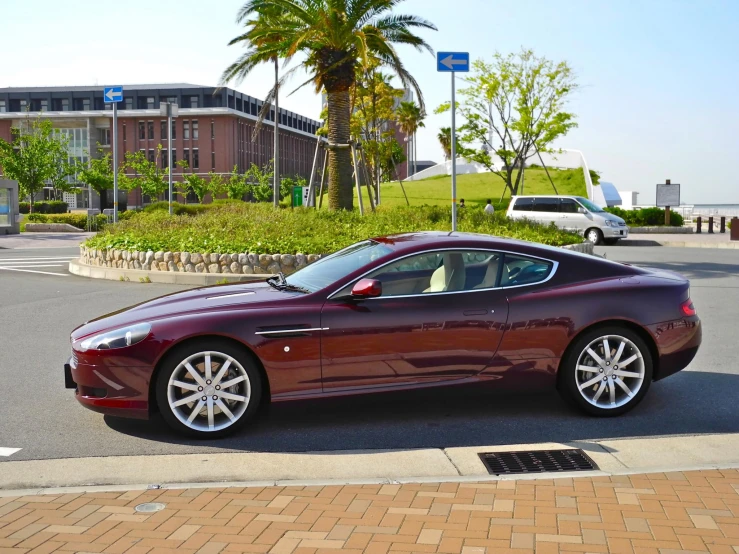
[[152, 86]]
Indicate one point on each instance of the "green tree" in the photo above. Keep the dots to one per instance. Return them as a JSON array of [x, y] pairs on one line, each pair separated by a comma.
[[148, 175], [410, 118], [259, 182], [98, 175], [62, 180], [336, 36], [514, 105], [192, 182], [34, 157]]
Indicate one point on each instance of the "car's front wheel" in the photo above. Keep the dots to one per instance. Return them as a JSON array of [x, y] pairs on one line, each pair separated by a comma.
[[607, 371], [208, 389], [594, 235]]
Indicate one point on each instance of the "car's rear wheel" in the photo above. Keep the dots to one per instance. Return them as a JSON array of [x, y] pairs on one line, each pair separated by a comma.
[[607, 371], [208, 389], [594, 235]]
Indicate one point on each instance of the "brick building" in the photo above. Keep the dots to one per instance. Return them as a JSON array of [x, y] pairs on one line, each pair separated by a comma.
[[213, 131]]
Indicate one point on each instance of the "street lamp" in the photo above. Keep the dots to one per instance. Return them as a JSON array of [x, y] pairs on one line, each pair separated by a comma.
[[169, 110]]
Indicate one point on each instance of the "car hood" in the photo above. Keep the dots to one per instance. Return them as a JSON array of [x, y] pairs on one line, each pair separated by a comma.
[[204, 299], [611, 217]]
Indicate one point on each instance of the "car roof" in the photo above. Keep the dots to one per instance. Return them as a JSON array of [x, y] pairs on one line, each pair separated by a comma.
[[548, 196]]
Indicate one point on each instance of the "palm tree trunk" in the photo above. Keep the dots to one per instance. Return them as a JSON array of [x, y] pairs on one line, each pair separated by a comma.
[[340, 195]]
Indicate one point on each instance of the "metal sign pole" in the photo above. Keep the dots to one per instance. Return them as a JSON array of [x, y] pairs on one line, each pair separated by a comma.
[[115, 162], [454, 156], [170, 169]]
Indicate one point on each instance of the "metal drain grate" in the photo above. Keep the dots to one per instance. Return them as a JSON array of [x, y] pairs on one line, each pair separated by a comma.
[[536, 461]]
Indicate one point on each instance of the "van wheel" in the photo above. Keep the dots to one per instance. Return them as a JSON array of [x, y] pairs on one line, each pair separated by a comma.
[[594, 235]]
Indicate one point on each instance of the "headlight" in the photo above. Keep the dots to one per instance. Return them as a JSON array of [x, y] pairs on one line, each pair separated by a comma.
[[610, 223], [118, 338]]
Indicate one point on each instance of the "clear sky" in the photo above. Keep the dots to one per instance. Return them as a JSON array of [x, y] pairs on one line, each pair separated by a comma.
[[660, 78]]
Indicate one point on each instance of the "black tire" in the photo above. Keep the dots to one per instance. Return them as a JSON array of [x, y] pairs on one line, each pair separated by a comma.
[[597, 237], [241, 366], [611, 242], [567, 379]]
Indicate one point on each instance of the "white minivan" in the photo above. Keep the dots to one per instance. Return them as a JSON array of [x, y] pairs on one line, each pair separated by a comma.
[[572, 213]]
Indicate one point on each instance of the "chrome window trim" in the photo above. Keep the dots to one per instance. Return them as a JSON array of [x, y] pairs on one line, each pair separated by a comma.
[[554, 263]]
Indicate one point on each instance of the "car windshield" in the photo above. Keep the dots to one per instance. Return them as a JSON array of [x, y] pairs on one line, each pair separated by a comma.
[[327, 271], [589, 205]]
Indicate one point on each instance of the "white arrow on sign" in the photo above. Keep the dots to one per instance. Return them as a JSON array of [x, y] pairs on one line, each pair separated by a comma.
[[110, 95], [450, 62], [8, 451]]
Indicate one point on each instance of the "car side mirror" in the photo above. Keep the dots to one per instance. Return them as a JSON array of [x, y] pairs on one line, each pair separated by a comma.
[[367, 288], [582, 210]]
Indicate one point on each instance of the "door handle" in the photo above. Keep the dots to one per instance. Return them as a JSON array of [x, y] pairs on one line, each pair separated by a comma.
[[475, 312]]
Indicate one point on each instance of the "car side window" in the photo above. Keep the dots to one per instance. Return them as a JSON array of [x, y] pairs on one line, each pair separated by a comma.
[[521, 270], [545, 204], [436, 272], [568, 206], [523, 205]]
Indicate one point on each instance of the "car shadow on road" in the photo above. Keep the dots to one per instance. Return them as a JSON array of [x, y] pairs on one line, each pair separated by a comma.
[[690, 402]]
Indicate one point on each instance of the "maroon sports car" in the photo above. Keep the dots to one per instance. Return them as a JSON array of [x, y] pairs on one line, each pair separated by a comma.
[[405, 311]]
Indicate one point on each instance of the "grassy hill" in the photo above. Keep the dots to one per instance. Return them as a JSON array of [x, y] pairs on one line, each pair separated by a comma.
[[476, 188]]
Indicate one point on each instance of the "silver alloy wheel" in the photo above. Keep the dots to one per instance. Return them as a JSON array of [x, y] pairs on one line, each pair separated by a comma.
[[209, 391], [610, 372], [593, 236]]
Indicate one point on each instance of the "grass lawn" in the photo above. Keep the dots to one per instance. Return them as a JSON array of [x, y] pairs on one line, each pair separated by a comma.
[[476, 188]]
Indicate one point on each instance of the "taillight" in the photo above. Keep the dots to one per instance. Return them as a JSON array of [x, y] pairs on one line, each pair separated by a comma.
[[688, 308]]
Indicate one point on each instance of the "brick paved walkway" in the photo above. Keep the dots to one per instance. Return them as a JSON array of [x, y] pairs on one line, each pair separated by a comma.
[[642, 514]]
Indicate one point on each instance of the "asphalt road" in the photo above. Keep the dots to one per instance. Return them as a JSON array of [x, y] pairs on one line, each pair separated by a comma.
[[43, 419]]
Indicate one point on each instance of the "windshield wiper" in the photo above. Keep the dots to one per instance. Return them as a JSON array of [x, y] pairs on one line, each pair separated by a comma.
[[279, 282]]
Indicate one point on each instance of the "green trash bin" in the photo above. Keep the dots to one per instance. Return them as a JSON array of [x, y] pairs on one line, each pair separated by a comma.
[[297, 196]]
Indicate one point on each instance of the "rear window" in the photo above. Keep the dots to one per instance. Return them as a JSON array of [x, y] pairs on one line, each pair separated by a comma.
[[523, 204], [521, 270], [546, 204]]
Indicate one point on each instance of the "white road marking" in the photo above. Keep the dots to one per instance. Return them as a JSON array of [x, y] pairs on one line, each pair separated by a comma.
[[8, 451], [31, 264], [44, 258], [32, 271]]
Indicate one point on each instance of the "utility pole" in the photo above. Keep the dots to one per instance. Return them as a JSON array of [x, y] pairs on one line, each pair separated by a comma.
[[169, 111], [276, 187]]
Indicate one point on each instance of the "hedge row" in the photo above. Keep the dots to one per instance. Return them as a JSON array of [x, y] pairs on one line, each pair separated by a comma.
[[259, 228], [50, 207], [645, 217], [75, 219]]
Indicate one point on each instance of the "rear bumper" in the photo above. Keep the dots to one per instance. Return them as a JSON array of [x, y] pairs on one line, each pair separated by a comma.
[[678, 342], [118, 391]]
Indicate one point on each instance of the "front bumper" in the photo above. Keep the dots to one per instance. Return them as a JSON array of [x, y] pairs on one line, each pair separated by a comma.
[[615, 232], [109, 389]]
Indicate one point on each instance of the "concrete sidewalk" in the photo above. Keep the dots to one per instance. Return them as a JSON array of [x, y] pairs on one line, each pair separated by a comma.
[[659, 513], [43, 240], [695, 240]]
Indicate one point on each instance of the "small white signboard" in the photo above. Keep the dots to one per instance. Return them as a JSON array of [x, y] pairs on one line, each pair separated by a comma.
[[668, 195]]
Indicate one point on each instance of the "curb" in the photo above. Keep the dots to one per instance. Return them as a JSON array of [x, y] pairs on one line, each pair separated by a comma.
[[166, 277], [680, 244]]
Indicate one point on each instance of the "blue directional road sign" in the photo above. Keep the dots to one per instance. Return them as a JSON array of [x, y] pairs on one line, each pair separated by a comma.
[[113, 94], [453, 61]]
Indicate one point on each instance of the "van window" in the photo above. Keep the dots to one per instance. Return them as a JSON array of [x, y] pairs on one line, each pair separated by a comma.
[[568, 206], [523, 204], [546, 204]]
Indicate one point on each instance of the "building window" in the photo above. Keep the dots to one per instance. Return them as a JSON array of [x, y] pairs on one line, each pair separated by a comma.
[[81, 104], [164, 159], [23, 105], [174, 129], [213, 160], [212, 130], [186, 156], [105, 137], [163, 129], [149, 102], [142, 130], [194, 129], [193, 101], [150, 128], [195, 158], [152, 155], [171, 99], [185, 129], [174, 159], [128, 102], [124, 132], [3, 107]]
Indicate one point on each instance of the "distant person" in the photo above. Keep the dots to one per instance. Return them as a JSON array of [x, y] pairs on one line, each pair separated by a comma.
[[489, 208], [461, 203]]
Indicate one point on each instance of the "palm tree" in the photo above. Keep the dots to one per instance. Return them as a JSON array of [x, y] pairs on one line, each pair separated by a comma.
[[336, 36], [410, 119], [445, 139]]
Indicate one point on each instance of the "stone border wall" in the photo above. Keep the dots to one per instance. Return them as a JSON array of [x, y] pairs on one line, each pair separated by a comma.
[[197, 262]]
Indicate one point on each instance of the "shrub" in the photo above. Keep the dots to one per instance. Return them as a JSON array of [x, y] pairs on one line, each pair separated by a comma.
[[247, 227], [177, 208], [646, 216], [75, 220], [51, 207], [36, 218]]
